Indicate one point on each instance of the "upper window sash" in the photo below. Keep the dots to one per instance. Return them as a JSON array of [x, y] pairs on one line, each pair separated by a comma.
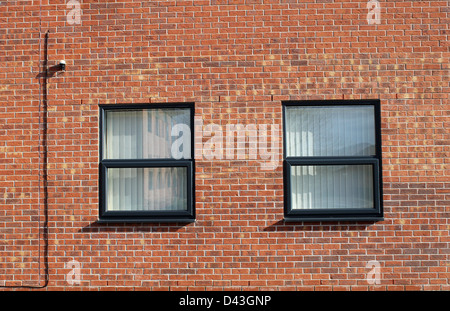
[[330, 131], [147, 133]]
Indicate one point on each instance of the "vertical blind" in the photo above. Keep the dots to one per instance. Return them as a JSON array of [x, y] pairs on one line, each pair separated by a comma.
[[144, 134], [147, 189], [334, 131], [332, 186], [330, 131]]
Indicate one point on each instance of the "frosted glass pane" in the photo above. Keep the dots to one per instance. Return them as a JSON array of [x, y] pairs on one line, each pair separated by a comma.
[[330, 131], [147, 189], [146, 134], [332, 186]]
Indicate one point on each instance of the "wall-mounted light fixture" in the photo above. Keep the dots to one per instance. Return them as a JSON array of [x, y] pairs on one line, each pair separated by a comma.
[[62, 65]]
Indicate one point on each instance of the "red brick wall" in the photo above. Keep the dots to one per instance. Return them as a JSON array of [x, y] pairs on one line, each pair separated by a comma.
[[237, 60]]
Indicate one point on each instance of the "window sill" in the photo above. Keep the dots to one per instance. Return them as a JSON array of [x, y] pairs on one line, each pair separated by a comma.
[[340, 218], [146, 220]]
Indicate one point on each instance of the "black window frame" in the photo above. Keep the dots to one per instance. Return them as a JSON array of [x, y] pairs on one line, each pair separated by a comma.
[[356, 214], [106, 216]]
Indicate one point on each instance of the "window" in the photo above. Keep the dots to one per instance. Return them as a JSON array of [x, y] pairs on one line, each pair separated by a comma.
[[146, 163], [332, 161]]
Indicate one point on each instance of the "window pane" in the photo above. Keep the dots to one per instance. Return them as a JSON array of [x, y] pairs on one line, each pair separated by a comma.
[[330, 131], [147, 189], [147, 134], [332, 186]]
